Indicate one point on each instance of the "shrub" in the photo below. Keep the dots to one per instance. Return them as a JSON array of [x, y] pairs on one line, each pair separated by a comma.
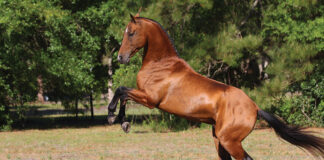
[[167, 122], [303, 104], [5, 121]]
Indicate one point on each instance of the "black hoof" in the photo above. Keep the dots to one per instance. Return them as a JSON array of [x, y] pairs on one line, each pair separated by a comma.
[[126, 127], [111, 119]]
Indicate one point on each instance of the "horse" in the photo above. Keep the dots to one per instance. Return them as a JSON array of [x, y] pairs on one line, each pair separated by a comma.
[[167, 82]]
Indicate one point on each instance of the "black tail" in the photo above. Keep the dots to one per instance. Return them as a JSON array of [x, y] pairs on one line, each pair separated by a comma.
[[295, 135]]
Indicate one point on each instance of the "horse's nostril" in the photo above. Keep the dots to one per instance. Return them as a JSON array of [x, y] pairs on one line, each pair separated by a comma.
[[119, 58]]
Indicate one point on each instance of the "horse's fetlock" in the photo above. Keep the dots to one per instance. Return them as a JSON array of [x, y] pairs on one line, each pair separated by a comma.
[[111, 118]]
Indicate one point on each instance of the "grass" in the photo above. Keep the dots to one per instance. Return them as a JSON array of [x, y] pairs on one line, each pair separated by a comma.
[[49, 134], [109, 142]]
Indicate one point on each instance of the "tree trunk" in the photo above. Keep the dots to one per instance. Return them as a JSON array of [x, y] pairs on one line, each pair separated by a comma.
[[110, 83], [91, 106], [255, 3], [40, 97], [76, 108], [6, 109]]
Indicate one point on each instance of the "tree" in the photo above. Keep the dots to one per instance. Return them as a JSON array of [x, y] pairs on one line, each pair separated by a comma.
[[265, 47], [61, 41]]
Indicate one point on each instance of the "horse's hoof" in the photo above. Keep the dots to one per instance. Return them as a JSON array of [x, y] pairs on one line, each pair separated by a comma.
[[126, 127], [111, 119]]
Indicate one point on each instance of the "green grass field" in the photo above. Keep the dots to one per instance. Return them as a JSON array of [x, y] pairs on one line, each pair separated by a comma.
[[110, 142], [49, 133]]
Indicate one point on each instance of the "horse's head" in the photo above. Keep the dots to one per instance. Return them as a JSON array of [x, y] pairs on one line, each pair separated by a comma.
[[134, 39]]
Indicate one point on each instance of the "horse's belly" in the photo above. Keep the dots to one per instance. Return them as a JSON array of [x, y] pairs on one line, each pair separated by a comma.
[[197, 108]]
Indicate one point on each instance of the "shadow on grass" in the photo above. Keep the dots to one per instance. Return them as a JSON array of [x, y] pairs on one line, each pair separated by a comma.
[[140, 132], [49, 117], [72, 122], [32, 110]]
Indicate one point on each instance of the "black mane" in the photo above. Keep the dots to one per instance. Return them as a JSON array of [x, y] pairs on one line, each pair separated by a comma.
[[171, 40]]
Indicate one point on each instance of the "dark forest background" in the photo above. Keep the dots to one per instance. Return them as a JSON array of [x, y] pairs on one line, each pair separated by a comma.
[[66, 50]]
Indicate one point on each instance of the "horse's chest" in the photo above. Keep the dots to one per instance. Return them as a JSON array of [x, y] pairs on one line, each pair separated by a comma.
[[154, 83], [151, 80]]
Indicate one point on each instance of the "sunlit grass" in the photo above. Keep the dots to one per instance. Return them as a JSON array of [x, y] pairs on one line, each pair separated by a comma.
[[109, 142], [78, 141]]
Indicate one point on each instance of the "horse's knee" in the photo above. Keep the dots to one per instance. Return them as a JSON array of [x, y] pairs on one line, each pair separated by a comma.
[[121, 90], [120, 94]]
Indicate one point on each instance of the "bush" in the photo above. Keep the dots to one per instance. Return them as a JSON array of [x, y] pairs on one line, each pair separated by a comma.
[[126, 74], [5, 121], [303, 104], [300, 110], [167, 122]]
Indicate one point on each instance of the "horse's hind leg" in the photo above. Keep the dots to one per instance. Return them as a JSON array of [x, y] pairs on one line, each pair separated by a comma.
[[222, 153], [231, 137]]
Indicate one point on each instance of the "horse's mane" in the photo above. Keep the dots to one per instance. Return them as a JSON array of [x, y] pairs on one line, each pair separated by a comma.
[[171, 40]]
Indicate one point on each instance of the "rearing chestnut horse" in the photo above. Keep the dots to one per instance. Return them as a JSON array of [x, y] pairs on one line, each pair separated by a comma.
[[168, 83]]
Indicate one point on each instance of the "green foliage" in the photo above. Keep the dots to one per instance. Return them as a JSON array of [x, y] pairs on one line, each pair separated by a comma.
[[167, 122], [285, 35], [291, 21], [63, 42], [293, 38], [126, 74], [301, 110], [60, 41], [304, 105], [228, 47], [5, 120]]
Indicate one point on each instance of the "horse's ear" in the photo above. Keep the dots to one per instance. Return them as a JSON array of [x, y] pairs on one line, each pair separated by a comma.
[[138, 13], [132, 18]]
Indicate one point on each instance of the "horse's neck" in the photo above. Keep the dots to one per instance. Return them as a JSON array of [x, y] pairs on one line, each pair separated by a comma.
[[158, 47]]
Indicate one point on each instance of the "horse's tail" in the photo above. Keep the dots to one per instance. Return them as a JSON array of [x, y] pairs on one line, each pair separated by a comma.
[[295, 135]]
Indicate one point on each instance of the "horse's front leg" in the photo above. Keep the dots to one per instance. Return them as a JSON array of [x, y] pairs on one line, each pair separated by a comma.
[[123, 94], [120, 94], [122, 116]]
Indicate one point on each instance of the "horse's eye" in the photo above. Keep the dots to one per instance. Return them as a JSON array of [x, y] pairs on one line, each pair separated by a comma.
[[131, 34]]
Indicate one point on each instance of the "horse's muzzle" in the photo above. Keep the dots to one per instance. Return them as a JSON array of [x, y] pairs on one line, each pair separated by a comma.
[[123, 59]]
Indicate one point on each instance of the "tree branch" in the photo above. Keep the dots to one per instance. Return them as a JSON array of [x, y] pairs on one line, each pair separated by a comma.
[[255, 3]]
